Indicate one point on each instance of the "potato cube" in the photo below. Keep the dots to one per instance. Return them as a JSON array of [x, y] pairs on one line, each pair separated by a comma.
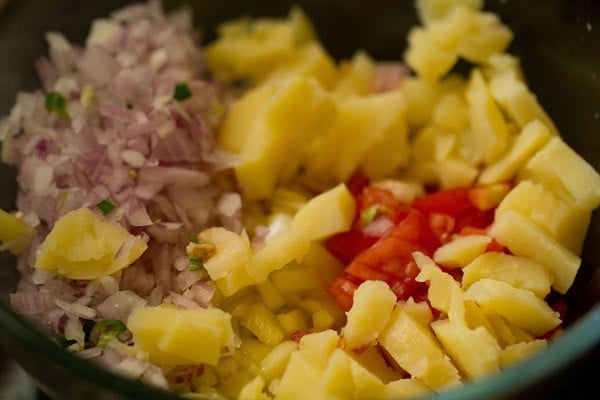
[[456, 173], [363, 325], [273, 365], [426, 57], [475, 351], [557, 215], [524, 238], [519, 306], [253, 390], [519, 272], [558, 166], [82, 245], [533, 137], [326, 214], [434, 10], [337, 381], [461, 250], [520, 351], [355, 77], [14, 232], [301, 369], [416, 351]]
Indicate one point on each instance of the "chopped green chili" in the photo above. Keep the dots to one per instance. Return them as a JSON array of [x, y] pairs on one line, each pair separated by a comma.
[[182, 92], [105, 206], [56, 102], [196, 264], [108, 330]]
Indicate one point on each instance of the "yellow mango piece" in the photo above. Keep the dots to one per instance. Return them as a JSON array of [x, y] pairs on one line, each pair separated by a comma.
[[426, 57], [263, 324], [519, 306], [518, 101], [278, 140], [524, 238], [228, 265], [520, 351], [559, 167], [14, 232], [363, 325], [273, 365], [475, 351], [82, 245], [519, 272], [279, 250], [326, 214], [416, 351], [488, 127], [171, 336], [557, 215], [250, 49], [461, 250], [242, 116]]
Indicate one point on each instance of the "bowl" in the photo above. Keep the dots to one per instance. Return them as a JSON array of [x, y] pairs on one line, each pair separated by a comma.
[[559, 49]]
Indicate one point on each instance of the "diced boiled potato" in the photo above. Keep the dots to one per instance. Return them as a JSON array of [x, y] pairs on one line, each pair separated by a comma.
[[524, 238], [361, 122], [363, 324], [488, 127], [320, 344], [557, 215], [475, 317], [242, 116], [426, 57], [533, 137], [559, 167], [311, 60], [416, 351], [421, 97], [444, 293], [405, 192], [372, 360], [518, 102], [506, 332], [451, 113], [14, 232], [82, 245], [432, 143], [253, 390], [336, 381], [456, 173], [405, 388], [461, 250], [486, 36], [274, 364], [276, 142], [263, 324], [520, 351], [301, 369], [419, 311], [324, 215], [228, 265], [519, 306], [294, 279], [355, 76], [519, 272], [475, 351], [251, 49], [433, 10], [324, 265], [278, 251], [170, 336]]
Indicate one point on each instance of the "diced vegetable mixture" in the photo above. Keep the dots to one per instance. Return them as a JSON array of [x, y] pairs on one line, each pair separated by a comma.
[[250, 218]]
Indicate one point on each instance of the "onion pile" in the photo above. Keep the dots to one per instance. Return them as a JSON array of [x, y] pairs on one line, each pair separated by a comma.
[[128, 119]]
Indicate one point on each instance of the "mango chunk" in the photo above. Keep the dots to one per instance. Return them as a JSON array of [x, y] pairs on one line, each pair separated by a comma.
[[14, 232], [84, 246], [524, 238], [324, 215], [363, 325], [170, 336], [519, 306], [559, 167]]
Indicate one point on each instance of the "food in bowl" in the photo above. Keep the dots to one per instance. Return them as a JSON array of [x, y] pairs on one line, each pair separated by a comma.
[[292, 226]]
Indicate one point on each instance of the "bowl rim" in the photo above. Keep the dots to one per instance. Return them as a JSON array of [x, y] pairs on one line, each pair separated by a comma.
[[579, 337]]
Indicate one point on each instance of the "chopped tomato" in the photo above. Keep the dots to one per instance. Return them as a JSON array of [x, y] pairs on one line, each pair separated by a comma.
[[453, 202]]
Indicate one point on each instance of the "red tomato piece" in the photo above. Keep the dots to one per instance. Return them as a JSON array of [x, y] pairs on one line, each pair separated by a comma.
[[453, 202]]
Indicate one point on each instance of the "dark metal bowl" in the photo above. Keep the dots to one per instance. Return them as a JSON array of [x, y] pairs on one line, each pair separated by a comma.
[[558, 42]]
